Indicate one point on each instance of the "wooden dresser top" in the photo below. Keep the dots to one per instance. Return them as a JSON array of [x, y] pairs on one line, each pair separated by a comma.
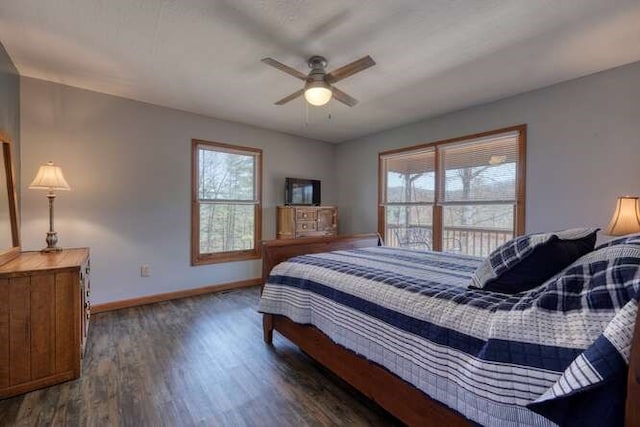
[[35, 261]]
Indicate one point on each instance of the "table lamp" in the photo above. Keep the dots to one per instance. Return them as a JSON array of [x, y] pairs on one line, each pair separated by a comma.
[[50, 178], [626, 218]]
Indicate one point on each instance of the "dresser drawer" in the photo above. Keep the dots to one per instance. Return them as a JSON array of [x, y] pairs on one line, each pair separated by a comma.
[[305, 214], [302, 226]]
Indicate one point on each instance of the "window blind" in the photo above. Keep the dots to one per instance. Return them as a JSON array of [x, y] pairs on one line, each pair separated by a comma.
[[409, 177], [483, 170]]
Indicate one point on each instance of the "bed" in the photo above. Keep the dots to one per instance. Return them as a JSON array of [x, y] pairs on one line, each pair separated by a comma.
[[403, 328]]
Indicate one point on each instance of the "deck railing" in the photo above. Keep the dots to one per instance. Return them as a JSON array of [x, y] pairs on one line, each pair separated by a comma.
[[466, 240]]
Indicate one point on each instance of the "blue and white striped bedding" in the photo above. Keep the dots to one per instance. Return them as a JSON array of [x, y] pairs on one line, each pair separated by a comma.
[[484, 354]]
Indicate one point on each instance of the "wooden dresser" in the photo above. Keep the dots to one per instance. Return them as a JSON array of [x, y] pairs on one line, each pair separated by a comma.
[[306, 221], [44, 319]]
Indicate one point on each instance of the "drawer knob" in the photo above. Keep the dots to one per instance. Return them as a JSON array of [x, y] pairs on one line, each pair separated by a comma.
[[304, 225]]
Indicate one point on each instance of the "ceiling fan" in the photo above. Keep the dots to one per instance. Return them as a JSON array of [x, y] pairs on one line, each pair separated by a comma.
[[318, 88]]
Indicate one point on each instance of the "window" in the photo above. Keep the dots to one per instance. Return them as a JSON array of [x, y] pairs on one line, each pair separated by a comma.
[[463, 195], [226, 202]]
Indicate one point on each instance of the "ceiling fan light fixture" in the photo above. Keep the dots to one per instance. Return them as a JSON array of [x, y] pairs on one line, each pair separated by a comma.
[[317, 93]]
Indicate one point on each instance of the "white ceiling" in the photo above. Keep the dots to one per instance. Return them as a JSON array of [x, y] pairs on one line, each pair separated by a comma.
[[203, 56]]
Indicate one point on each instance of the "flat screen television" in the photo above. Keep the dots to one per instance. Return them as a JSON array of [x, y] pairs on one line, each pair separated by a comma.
[[301, 192]]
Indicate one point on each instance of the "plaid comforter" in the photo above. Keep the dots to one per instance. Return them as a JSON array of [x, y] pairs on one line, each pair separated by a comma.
[[494, 358]]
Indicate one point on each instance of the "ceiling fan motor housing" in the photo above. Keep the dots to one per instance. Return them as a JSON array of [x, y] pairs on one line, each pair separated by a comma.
[[318, 71], [317, 62]]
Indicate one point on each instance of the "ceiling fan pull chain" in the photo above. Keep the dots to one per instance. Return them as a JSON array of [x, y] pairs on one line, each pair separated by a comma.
[[306, 114]]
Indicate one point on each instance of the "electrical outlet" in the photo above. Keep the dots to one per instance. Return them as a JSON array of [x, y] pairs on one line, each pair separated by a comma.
[[145, 270]]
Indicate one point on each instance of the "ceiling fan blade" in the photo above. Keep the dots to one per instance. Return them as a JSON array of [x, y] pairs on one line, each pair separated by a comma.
[[350, 69], [291, 97], [343, 97], [280, 66]]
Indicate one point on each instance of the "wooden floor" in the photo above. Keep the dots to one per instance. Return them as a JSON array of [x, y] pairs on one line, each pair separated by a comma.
[[196, 361]]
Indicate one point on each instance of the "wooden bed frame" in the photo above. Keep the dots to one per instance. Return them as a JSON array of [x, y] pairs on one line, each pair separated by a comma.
[[398, 397]]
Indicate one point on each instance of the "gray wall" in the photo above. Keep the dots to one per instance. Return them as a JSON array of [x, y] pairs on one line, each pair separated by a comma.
[[10, 103], [583, 150], [128, 164]]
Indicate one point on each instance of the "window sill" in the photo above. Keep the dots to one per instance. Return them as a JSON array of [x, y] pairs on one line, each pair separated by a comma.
[[204, 259]]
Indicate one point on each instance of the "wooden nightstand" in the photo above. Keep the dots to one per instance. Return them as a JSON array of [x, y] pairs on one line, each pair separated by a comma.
[[44, 319]]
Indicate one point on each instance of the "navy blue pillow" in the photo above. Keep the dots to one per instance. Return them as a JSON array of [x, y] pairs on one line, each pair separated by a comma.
[[546, 260]]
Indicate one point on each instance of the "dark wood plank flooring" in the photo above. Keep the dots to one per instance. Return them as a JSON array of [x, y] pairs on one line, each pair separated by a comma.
[[197, 361]]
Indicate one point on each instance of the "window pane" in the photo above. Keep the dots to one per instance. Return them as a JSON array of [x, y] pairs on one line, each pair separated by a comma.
[[410, 178], [482, 170], [226, 227], [226, 176], [476, 229], [409, 226]]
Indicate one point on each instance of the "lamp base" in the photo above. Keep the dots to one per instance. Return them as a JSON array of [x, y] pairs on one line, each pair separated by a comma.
[[52, 242]]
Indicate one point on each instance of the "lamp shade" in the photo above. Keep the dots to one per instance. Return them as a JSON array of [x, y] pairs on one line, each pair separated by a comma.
[[49, 177], [626, 218], [317, 93]]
